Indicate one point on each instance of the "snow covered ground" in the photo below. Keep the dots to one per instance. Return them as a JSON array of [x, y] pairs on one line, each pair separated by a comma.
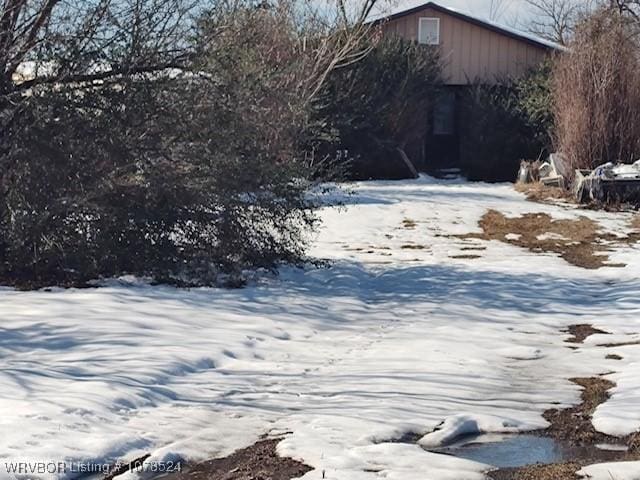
[[397, 336]]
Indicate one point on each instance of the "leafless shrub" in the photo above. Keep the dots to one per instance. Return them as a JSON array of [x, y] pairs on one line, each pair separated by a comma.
[[555, 20], [596, 89], [629, 8]]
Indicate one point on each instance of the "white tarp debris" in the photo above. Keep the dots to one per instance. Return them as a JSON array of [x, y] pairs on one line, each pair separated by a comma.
[[609, 183], [552, 172]]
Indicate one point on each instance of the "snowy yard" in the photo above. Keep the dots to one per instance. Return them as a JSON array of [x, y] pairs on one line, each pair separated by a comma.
[[409, 327]]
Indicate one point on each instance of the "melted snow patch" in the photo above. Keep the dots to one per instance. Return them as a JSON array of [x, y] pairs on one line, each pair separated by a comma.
[[460, 425]]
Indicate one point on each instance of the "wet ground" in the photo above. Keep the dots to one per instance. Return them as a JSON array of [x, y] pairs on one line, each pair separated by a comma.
[[512, 450], [571, 440]]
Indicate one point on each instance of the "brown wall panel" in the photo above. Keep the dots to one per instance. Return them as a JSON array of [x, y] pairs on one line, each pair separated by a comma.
[[471, 51]]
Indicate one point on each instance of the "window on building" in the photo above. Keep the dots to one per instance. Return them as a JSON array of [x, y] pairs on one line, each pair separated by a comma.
[[429, 31]]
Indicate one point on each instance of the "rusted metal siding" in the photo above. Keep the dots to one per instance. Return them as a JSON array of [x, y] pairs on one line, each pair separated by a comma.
[[471, 52]]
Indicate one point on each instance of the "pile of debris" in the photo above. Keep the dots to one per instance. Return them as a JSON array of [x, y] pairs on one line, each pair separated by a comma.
[[551, 173], [607, 184]]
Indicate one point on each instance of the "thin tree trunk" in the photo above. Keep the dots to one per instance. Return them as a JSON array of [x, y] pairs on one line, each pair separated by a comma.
[[408, 162]]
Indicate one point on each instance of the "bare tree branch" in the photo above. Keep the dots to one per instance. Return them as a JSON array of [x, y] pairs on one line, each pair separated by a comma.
[[84, 39], [497, 8], [555, 19]]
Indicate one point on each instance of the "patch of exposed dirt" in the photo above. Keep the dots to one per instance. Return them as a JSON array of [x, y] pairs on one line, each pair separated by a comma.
[[613, 356], [257, 462], [580, 242], [574, 424], [408, 223], [582, 332], [465, 257], [371, 249], [411, 246], [562, 471], [537, 192]]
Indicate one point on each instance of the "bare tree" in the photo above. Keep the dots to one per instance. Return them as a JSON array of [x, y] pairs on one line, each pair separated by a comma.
[[627, 7], [555, 20], [71, 41], [497, 8], [55, 41], [347, 37]]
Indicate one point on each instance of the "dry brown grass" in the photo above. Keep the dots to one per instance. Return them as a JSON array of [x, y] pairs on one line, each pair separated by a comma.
[[562, 471], [596, 93], [580, 242], [575, 423], [259, 461], [537, 192]]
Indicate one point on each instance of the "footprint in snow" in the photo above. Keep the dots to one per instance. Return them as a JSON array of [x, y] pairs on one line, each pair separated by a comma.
[[522, 353]]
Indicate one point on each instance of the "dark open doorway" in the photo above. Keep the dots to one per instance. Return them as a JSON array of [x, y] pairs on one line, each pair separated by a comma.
[[442, 144]]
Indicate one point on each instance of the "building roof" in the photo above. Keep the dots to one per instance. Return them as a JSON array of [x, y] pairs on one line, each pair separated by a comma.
[[481, 22]]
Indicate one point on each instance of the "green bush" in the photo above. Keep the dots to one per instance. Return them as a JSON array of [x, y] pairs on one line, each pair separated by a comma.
[[177, 176], [380, 105], [535, 100], [93, 188], [504, 124]]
